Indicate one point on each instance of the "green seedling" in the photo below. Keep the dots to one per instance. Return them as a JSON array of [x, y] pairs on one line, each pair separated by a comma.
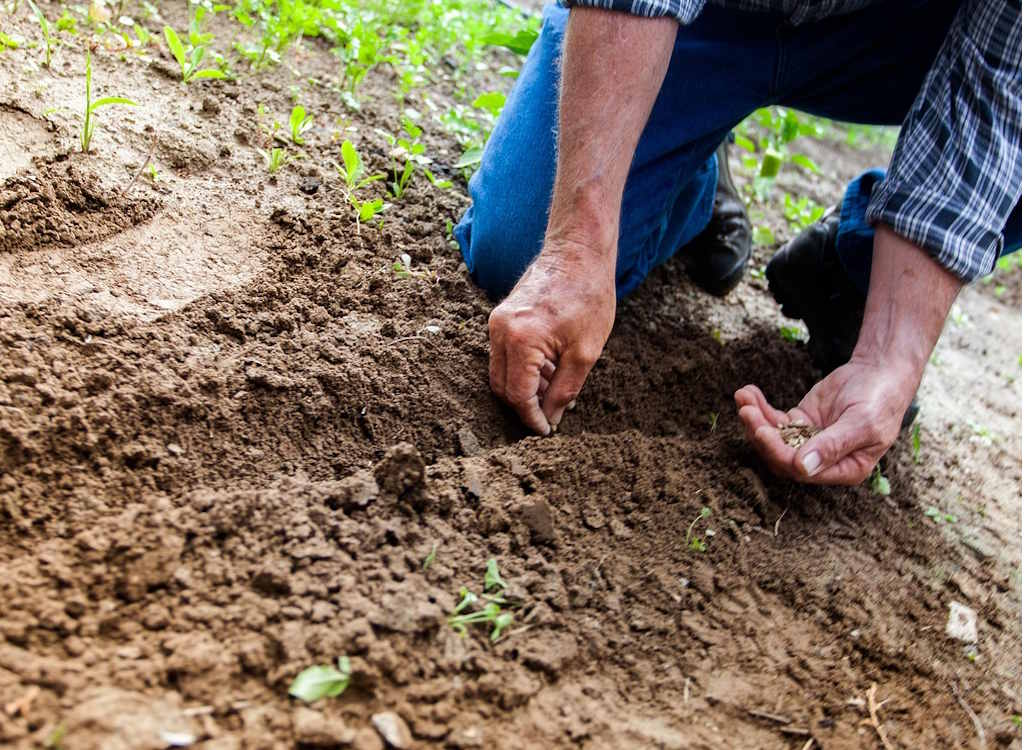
[[492, 613], [190, 61], [89, 120], [67, 23], [792, 334], [365, 210], [429, 559], [275, 158], [492, 578], [713, 420], [299, 122], [8, 42], [403, 267], [764, 236], [520, 42], [938, 516], [322, 681], [408, 148], [915, 443], [353, 170], [693, 541], [56, 737], [49, 41], [879, 483], [151, 171]]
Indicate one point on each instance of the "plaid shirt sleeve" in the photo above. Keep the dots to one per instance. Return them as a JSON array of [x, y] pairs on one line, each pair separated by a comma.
[[684, 11], [955, 176]]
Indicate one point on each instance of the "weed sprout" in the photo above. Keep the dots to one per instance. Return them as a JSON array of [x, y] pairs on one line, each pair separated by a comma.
[[88, 120]]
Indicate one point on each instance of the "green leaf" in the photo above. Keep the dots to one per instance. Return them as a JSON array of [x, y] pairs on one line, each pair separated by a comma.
[[176, 47], [491, 101], [520, 42], [209, 73], [501, 622], [492, 578], [321, 681], [763, 236], [770, 163], [106, 101], [369, 209], [353, 164], [745, 143], [804, 161], [470, 157]]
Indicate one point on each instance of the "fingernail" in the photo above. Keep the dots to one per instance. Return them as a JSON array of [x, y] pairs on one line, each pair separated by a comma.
[[812, 463]]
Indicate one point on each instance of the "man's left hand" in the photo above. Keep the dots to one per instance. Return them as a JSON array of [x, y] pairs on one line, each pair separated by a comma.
[[858, 408]]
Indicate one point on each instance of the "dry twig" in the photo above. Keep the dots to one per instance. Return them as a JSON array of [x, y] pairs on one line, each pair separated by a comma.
[[808, 745], [779, 520], [147, 160], [873, 713], [974, 717]]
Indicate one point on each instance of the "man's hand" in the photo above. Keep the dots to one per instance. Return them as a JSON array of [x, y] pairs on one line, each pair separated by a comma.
[[858, 408], [549, 332], [860, 405]]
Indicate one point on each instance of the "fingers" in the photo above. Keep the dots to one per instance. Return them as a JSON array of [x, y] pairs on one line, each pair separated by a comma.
[[571, 373], [515, 372], [751, 395], [843, 453]]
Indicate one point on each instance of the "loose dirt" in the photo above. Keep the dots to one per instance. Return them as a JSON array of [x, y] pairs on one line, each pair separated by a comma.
[[230, 436]]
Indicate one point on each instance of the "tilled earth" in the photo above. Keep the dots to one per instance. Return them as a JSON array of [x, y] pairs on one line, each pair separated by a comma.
[[231, 436]]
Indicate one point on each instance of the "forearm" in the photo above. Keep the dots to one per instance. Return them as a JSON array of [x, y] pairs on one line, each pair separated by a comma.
[[908, 300], [613, 66]]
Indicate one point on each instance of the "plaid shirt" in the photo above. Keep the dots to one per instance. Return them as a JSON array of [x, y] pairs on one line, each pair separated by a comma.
[[955, 176]]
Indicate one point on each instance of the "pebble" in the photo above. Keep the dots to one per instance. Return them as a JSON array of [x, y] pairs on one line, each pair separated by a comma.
[[469, 444], [393, 729], [962, 623]]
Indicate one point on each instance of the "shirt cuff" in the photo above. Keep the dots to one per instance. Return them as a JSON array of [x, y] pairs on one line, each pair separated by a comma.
[[684, 11], [961, 246]]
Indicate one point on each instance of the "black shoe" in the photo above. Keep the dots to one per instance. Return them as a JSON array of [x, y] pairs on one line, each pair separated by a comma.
[[717, 257], [808, 281]]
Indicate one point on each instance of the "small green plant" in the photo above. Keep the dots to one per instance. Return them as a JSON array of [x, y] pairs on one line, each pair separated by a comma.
[[915, 443], [151, 171], [492, 578], [431, 556], [190, 61], [275, 158], [56, 737], [299, 122], [879, 483], [693, 541], [492, 612], [403, 266], [322, 681], [713, 420], [406, 148], [1016, 720], [49, 40], [353, 170], [792, 334], [366, 210], [89, 121], [938, 516]]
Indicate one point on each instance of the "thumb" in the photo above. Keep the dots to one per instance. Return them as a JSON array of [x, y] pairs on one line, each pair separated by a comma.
[[570, 374], [832, 445]]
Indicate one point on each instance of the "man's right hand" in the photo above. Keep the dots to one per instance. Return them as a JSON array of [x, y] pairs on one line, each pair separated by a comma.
[[549, 332]]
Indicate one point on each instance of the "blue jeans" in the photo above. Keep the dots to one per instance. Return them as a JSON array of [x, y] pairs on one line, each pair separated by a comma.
[[864, 67]]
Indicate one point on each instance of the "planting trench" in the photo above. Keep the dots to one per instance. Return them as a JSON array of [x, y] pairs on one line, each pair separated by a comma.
[[230, 435]]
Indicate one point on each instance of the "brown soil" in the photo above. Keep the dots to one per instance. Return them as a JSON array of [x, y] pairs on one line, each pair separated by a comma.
[[230, 436]]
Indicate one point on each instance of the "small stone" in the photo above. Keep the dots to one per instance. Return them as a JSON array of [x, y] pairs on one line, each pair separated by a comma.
[[316, 730], [962, 623], [539, 520], [175, 449], [472, 481], [593, 517], [309, 185], [469, 444], [393, 729]]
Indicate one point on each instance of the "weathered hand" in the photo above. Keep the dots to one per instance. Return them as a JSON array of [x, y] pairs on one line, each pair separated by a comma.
[[858, 408], [549, 332]]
